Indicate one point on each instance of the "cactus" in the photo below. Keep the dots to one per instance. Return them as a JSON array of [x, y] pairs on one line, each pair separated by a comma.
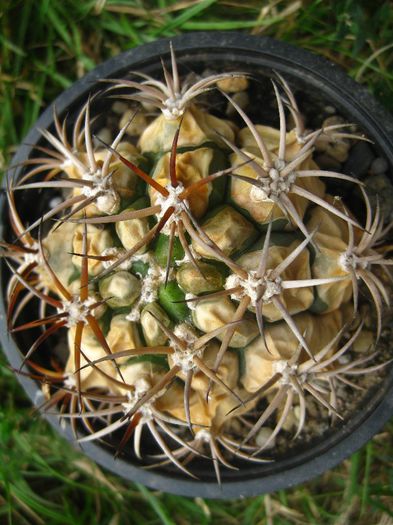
[[207, 282]]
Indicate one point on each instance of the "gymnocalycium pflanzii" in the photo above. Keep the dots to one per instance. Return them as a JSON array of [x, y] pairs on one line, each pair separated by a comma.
[[215, 298]]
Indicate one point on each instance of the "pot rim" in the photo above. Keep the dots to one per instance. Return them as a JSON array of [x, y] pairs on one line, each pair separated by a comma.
[[345, 93]]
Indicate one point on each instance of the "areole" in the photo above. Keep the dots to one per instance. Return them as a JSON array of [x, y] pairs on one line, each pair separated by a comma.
[[311, 73]]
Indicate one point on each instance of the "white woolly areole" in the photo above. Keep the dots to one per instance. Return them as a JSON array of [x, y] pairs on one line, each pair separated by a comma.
[[349, 261], [270, 188], [286, 370], [149, 290], [77, 310], [258, 194], [117, 253], [174, 107], [273, 288], [145, 258], [108, 199], [142, 386], [29, 258], [135, 314], [145, 409], [171, 200], [67, 163], [109, 202], [186, 333], [69, 381], [203, 435], [253, 286], [185, 358]]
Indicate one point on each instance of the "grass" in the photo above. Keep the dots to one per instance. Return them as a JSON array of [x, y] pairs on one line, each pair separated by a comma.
[[45, 46]]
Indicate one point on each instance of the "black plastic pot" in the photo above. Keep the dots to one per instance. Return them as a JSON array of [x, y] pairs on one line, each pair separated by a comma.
[[196, 51]]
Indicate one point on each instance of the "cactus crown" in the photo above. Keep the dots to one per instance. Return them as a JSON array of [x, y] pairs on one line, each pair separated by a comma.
[[207, 283]]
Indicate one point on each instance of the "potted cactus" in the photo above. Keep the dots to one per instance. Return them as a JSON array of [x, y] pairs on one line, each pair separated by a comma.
[[202, 288]]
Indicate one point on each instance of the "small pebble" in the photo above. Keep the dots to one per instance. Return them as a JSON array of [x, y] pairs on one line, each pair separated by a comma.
[[360, 158], [148, 107], [330, 109], [364, 342], [380, 186], [326, 162], [262, 437], [193, 78], [55, 202], [312, 408], [329, 143], [105, 135], [334, 147], [344, 359], [334, 120], [378, 166], [119, 107], [233, 84], [296, 413], [291, 421]]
